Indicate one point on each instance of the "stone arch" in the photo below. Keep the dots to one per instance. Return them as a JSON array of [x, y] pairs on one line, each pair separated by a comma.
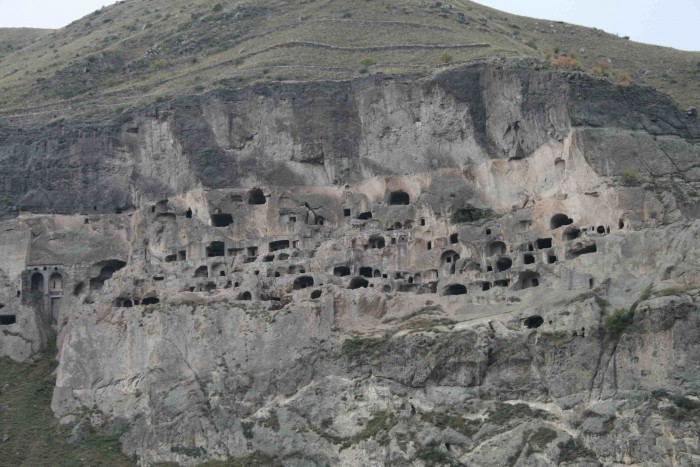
[[37, 283], [559, 220], [449, 257], [497, 248], [245, 296], [527, 279], [377, 241], [201, 271], [56, 282]]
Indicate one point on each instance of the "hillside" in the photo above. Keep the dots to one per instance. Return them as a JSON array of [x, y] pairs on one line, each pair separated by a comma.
[[137, 51]]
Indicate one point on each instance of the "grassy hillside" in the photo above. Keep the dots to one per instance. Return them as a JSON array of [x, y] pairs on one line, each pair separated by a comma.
[[141, 49], [31, 436]]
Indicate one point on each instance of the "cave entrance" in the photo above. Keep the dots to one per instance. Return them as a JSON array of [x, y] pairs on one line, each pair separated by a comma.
[[399, 198], [303, 282], [279, 245], [534, 321], [256, 196], [377, 241], [341, 271], [8, 320], [559, 220], [221, 220], [455, 289], [37, 282], [503, 264], [358, 282], [216, 249]]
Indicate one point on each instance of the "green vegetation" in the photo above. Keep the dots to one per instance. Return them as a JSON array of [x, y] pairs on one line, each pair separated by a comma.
[[618, 322], [630, 177], [684, 408], [367, 61], [503, 413], [446, 58], [543, 436], [459, 424], [33, 436], [471, 215], [674, 290], [571, 450], [380, 422], [271, 422], [361, 347], [247, 428], [433, 455]]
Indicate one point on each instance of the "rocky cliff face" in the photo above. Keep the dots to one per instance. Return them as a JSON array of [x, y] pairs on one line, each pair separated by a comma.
[[493, 266]]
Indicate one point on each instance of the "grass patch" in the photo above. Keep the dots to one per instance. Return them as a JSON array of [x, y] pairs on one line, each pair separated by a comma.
[[543, 437], [677, 290], [34, 436], [380, 422]]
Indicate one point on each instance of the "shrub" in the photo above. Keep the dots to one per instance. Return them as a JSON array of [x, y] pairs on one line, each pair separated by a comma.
[[158, 64], [619, 321], [446, 57], [367, 61], [217, 7], [471, 215], [630, 177], [566, 63]]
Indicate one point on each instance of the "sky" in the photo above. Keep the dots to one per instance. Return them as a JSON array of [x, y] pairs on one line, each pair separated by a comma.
[[674, 23]]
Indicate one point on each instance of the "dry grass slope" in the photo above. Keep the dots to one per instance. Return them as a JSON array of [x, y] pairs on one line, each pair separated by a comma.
[[142, 49]]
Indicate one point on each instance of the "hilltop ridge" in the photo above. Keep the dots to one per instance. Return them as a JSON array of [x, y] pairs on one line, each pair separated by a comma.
[[142, 50]]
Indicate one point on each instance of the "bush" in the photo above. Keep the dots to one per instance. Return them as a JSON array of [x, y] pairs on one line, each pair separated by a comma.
[[619, 321], [565, 62], [367, 61], [158, 64], [630, 177], [446, 57], [217, 7], [471, 215]]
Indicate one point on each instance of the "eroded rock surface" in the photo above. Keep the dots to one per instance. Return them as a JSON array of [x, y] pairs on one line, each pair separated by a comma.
[[494, 266]]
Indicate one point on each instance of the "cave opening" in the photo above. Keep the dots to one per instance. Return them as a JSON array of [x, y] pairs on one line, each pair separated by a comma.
[[358, 282], [534, 321], [256, 197], [455, 289], [560, 220], [303, 282], [221, 220], [397, 198]]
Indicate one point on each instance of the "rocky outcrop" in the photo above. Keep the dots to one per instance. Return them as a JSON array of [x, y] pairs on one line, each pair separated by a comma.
[[496, 265]]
